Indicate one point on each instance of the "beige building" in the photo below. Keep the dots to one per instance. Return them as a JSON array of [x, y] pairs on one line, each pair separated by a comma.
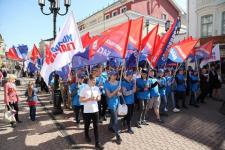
[[154, 12]]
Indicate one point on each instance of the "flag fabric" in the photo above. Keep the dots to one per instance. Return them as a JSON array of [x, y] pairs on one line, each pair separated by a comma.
[[214, 57], [151, 57], [22, 51], [85, 39], [12, 54], [158, 57], [135, 35], [64, 72], [35, 54], [148, 43], [30, 66], [179, 52], [114, 41], [205, 50], [65, 46]]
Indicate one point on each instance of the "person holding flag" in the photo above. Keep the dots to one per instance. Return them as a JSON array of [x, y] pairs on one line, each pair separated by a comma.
[[194, 85]]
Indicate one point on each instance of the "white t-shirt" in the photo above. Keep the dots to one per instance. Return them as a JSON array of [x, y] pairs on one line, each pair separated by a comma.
[[87, 92]]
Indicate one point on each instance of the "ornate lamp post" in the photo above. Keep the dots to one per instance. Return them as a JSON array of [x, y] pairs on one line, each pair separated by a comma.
[[147, 25], [54, 9], [167, 25]]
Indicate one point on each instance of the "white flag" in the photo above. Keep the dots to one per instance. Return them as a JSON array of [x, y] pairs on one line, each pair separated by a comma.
[[66, 45], [215, 56]]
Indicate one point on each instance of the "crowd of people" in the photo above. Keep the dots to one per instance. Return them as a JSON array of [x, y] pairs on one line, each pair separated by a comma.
[[97, 93]]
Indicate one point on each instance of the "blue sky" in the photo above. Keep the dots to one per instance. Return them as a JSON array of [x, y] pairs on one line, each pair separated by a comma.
[[22, 22]]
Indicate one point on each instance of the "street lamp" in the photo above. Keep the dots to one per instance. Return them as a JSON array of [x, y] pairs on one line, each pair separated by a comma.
[[178, 25], [54, 9], [167, 25], [147, 25]]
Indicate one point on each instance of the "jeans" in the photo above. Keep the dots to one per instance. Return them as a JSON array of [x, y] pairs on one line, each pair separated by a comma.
[[193, 99], [77, 111], [129, 115], [163, 105], [143, 109], [87, 121], [170, 96], [33, 113], [114, 121]]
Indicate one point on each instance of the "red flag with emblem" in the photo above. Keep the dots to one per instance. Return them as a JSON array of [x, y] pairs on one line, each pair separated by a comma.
[[35, 54]]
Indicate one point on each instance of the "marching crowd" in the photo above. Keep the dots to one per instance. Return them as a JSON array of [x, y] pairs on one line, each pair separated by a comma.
[[99, 92]]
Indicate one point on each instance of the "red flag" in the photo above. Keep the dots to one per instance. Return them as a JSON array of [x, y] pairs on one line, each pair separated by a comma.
[[35, 54], [160, 46], [149, 41], [48, 55], [113, 42], [135, 34], [205, 50], [181, 50], [154, 51], [85, 39], [12, 54]]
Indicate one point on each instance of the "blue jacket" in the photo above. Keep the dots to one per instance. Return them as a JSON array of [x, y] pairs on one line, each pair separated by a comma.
[[75, 91], [180, 80], [113, 101], [141, 84], [129, 86], [101, 79]]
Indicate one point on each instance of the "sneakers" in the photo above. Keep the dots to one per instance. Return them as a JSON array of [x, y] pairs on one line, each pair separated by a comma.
[[165, 109], [160, 121], [118, 140], [138, 125], [111, 129], [130, 131], [144, 123], [176, 110]]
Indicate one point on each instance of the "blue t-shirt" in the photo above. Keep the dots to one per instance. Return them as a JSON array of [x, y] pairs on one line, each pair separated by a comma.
[[129, 99], [194, 83], [113, 101], [141, 84], [154, 92], [162, 86], [180, 80], [101, 80], [76, 98]]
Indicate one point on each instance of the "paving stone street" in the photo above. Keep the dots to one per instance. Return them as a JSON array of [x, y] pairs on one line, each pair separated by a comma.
[[193, 129]]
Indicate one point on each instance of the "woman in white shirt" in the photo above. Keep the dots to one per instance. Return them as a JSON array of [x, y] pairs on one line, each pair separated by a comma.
[[89, 96]]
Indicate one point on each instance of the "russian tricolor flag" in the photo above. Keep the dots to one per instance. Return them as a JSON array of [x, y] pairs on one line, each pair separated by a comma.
[[18, 54]]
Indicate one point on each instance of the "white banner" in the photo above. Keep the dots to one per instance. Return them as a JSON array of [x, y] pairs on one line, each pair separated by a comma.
[[215, 56], [66, 45]]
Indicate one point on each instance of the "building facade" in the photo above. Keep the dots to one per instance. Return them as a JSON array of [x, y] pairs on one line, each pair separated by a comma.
[[206, 20], [154, 12]]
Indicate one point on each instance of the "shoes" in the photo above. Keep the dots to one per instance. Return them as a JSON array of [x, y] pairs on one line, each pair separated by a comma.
[[87, 139], [144, 123], [203, 102], [195, 105], [165, 109], [176, 110], [160, 121], [130, 131], [100, 121], [99, 146], [138, 125], [13, 125], [118, 140]]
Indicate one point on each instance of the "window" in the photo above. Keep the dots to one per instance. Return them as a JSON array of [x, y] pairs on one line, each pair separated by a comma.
[[206, 25], [114, 13], [223, 23], [81, 27], [107, 16], [123, 9], [163, 16]]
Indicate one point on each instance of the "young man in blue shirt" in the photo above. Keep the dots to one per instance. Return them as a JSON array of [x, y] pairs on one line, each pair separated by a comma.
[[194, 87]]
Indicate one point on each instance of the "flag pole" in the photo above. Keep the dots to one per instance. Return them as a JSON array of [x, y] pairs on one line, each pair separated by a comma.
[[121, 74]]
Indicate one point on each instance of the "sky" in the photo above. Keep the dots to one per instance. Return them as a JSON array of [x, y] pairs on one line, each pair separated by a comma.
[[21, 21]]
